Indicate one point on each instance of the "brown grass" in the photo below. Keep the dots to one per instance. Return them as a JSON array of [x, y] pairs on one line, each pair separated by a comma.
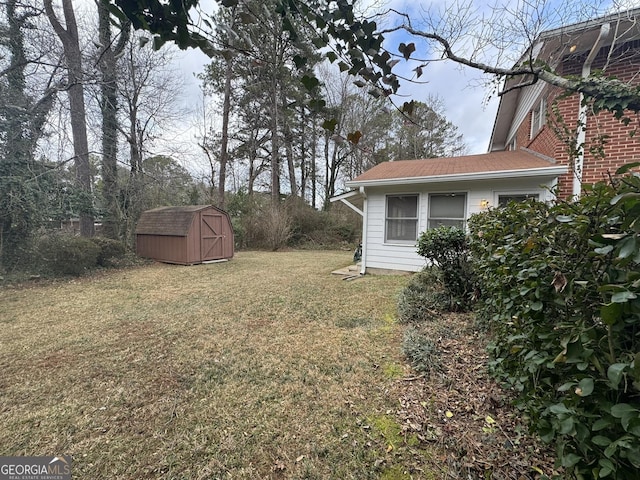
[[263, 367]]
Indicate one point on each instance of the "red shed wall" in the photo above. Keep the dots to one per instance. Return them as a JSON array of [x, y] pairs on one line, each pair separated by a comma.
[[163, 248], [193, 240]]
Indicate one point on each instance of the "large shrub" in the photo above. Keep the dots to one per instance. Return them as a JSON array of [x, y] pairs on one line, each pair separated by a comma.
[[257, 223], [560, 287], [110, 251], [446, 248], [322, 228], [276, 227], [63, 254]]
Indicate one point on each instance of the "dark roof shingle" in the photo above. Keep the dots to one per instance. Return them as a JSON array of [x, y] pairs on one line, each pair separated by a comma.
[[172, 221]]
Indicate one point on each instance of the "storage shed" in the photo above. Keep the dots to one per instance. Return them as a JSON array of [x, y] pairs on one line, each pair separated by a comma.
[[185, 235]]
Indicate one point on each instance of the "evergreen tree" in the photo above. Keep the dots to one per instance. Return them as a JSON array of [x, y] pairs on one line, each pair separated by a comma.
[[425, 133]]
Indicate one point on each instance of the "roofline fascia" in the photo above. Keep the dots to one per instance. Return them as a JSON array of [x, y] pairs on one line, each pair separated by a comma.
[[344, 198], [591, 23], [464, 177], [344, 195]]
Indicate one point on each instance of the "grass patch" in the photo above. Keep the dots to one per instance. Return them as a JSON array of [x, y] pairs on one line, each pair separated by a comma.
[[353, 322], [234, 370], [395, 473], [393, 370]]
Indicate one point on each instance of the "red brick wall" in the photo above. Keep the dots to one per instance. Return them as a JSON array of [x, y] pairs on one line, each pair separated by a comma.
[[620, 146]]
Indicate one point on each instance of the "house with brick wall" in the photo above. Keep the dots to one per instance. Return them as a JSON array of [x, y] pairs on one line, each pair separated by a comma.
[[545, 145], [540, 117]]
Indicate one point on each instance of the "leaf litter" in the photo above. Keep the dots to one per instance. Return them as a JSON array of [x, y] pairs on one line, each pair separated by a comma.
[[462, 412]]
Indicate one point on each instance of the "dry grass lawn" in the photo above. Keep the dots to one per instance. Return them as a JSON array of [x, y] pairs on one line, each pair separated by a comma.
[[263, 367]]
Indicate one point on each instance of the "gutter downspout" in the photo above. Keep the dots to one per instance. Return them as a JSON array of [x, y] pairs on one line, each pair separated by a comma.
[[582, 113], [365, 208]]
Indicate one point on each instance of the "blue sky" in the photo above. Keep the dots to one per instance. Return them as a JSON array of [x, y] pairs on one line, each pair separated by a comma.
[[495, 32], [468, 101]]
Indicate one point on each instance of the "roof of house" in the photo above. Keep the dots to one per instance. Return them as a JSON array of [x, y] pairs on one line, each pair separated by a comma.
[[485, 166], [553, 46], [171, 221]]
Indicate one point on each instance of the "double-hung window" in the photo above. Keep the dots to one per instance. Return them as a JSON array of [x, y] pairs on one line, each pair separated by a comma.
[[401, 221], [447, 209]]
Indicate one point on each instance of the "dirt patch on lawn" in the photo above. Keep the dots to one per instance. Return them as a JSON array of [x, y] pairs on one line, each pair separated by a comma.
[[459, 409]]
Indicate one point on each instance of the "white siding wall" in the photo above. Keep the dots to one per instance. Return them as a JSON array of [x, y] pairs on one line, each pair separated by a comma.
[[379, 254], [528, 97]]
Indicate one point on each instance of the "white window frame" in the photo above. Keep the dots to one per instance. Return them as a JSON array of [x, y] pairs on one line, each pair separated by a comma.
[[462, 219], [513, 193], [393, 241], [539, 111]]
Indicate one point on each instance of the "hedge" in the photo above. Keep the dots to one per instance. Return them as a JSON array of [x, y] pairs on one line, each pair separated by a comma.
[[560, 291]]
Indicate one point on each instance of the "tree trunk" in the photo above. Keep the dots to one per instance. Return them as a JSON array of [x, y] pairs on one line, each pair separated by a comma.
[[224, 141], [325, 206], [304, 171], [109, 108], [314, 180], [288, 147], [275, 146], [75, 91], [22, 123], [290, 162], [135, 151]]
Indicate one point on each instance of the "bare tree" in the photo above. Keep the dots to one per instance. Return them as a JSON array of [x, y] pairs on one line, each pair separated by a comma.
[[205, 138], [353, 111], [149, 98], [426, 133], [68, 35]]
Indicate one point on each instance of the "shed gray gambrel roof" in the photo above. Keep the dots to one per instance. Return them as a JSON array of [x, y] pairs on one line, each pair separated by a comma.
[[170, 221]]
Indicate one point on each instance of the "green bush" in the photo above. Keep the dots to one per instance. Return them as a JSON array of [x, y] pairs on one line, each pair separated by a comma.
[[62, 254], [446, 247], [110, 251], [420, 351], [561, 294]]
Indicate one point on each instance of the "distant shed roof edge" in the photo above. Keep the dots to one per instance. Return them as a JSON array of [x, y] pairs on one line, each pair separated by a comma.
[[170, 221]]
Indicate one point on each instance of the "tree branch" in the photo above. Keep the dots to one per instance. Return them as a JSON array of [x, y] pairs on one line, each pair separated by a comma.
[[55, 23]]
